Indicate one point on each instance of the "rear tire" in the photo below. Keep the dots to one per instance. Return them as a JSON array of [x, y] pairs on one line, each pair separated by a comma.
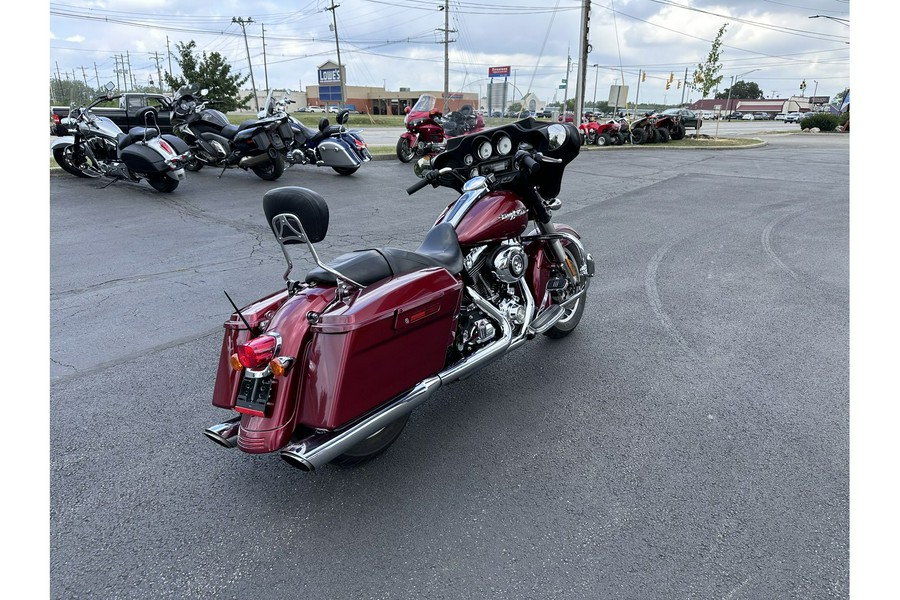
[[404, 151], [372, 446], [272, 170], [572, 317], [678, 132], [639, 136], [603, 140], [664, 135], [193, 165], [163, 183], [345, 170], [63, 157]]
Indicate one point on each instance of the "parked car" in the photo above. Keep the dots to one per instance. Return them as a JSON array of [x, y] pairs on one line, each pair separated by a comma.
[[689, 118], [748, 117], [569, 117], [708, 114], [125, 115], [736, 115], [761, 116], [315, 109], [780, 117], [497, 114], [793, 117]]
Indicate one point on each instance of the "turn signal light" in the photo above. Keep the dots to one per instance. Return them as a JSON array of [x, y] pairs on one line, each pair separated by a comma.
[[257, 352]]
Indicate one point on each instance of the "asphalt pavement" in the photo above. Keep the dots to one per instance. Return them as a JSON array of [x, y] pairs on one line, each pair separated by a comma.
[[688, 440]]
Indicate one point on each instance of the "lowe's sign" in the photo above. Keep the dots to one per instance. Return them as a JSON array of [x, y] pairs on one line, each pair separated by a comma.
[[329, 76]]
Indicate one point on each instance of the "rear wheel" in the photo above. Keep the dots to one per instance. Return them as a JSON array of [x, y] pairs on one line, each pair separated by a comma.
[[193, 164], [603, 140], [345, 170], [272, 170], [678, 132], [65, 159], [639, 136], [373, 445], [573, 313], [163, 183], [664, 135], [404, 151]]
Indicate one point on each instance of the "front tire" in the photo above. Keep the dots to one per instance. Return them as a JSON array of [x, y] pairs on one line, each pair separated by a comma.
[[572, 316], [272, 170], [163, 183], [664, 135], [63, 157], [372, 446], [603, 140], [639, 136], [404, 151], [193, 165], [345, 170]]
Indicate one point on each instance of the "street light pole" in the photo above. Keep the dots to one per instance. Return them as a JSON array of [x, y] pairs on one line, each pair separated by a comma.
[[733, 77]]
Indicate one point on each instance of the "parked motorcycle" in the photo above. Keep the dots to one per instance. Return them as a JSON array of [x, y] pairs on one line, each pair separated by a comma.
[[255, 144], [602, 134], [329, 369], [99, 148], [427, 129], [329, 146]]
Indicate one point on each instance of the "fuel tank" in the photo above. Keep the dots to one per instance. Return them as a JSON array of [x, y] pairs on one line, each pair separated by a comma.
[[482, 218]]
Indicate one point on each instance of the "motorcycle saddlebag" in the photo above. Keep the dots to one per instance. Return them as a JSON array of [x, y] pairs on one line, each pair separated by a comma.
[[253, 138], [141, 159], [393, 335], [178, 144], [336, 153]]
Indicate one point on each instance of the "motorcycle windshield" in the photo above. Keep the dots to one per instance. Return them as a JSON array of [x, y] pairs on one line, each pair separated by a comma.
[[421, 109], [106, 126], [191, 89]]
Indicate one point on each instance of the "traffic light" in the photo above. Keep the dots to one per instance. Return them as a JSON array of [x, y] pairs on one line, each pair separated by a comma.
[[671, 77], [678, 87], [668, 84], [803, 85], [643, 75]]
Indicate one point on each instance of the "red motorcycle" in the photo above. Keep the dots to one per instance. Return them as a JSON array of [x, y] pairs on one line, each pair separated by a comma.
[[427, 129], [329, 369]]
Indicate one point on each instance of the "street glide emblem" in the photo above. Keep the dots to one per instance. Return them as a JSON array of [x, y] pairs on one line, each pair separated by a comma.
[[512, 215]]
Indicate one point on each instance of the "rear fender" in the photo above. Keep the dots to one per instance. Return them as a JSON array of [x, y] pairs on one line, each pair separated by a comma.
[[268, 433]]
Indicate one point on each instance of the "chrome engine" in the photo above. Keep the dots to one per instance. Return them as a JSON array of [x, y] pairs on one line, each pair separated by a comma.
[[496, 272]]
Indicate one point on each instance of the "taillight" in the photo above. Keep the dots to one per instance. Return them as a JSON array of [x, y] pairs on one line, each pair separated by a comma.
[[55, 118], [257, 352]]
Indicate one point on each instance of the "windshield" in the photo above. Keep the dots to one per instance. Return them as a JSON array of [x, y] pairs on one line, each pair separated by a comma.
[[190, 89], [425, 103]]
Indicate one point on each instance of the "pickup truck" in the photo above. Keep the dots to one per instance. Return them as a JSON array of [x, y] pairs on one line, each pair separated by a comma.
[[123, 115]]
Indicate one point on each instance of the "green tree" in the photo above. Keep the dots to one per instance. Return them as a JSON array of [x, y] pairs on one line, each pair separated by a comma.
[[67, 92], [212, 72], [743, 90], [839, 97], [706, 75]]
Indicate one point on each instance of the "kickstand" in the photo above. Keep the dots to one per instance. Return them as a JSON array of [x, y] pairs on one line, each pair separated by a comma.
[[222, 173], [112, 181]]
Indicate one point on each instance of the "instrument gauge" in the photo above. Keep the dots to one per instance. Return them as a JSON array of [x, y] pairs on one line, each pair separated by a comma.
[[468, 159], [484, 150], [504, 145], [473, 172]]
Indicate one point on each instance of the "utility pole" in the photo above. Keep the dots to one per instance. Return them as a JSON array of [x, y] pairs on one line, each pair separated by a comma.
[[337, 45], [684, 87], [171, 74], [637, 95], [59, 86], [129, 75], [447, 31], [584, 49], [158, 73], [116, 58], [240, 21], [265, 66], [84, 76], [97, 75], [566, 88], [596, 77]]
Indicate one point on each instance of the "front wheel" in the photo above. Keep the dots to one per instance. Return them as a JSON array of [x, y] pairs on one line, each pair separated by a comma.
[[345, 170], [193, 164], [572, 316], [272, 170], [592, 137], [664, 134], [163, 183], [373, 445], [405, 152], [64, 157], [603, 140], [639, 136]]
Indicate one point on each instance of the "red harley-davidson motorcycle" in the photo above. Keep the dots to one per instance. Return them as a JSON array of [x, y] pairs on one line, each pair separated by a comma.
[[329, 369], [427, 130]]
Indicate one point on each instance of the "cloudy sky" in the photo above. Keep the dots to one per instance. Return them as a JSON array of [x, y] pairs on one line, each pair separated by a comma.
[[397, 43]]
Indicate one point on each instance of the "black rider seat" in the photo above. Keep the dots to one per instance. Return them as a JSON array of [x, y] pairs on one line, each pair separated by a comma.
[[229, 131], [440, 248], [136, 134]]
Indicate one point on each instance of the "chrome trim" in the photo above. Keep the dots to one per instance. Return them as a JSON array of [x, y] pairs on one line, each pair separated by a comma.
[[288, 223], [318, 449], [463, 204], [224, 434]]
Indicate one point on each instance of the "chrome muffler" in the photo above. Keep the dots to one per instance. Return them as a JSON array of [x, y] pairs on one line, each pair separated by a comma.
[[317, 450], [224, 434]]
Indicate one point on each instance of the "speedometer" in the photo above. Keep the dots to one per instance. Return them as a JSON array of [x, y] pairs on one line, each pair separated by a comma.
[[484, 150], [468, 159], [504, 145]]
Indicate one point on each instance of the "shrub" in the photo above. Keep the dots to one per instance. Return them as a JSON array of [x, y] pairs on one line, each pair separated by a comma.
[[824, 121]]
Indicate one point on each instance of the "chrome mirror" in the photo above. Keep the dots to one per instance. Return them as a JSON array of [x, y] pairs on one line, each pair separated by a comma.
[[557, 136]]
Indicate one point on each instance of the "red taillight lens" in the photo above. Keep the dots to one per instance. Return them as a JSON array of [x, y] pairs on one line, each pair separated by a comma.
[[257, 352], [56, 119]]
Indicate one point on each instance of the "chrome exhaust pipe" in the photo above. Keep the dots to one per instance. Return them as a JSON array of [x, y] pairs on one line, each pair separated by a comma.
[[317, 450], [252, 161], [224, 434]]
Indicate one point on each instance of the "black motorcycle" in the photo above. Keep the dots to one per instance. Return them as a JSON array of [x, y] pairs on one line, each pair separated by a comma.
[[256, 144]]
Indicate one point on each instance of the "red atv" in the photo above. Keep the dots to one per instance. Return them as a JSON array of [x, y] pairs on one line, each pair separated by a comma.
[[601, 134]]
